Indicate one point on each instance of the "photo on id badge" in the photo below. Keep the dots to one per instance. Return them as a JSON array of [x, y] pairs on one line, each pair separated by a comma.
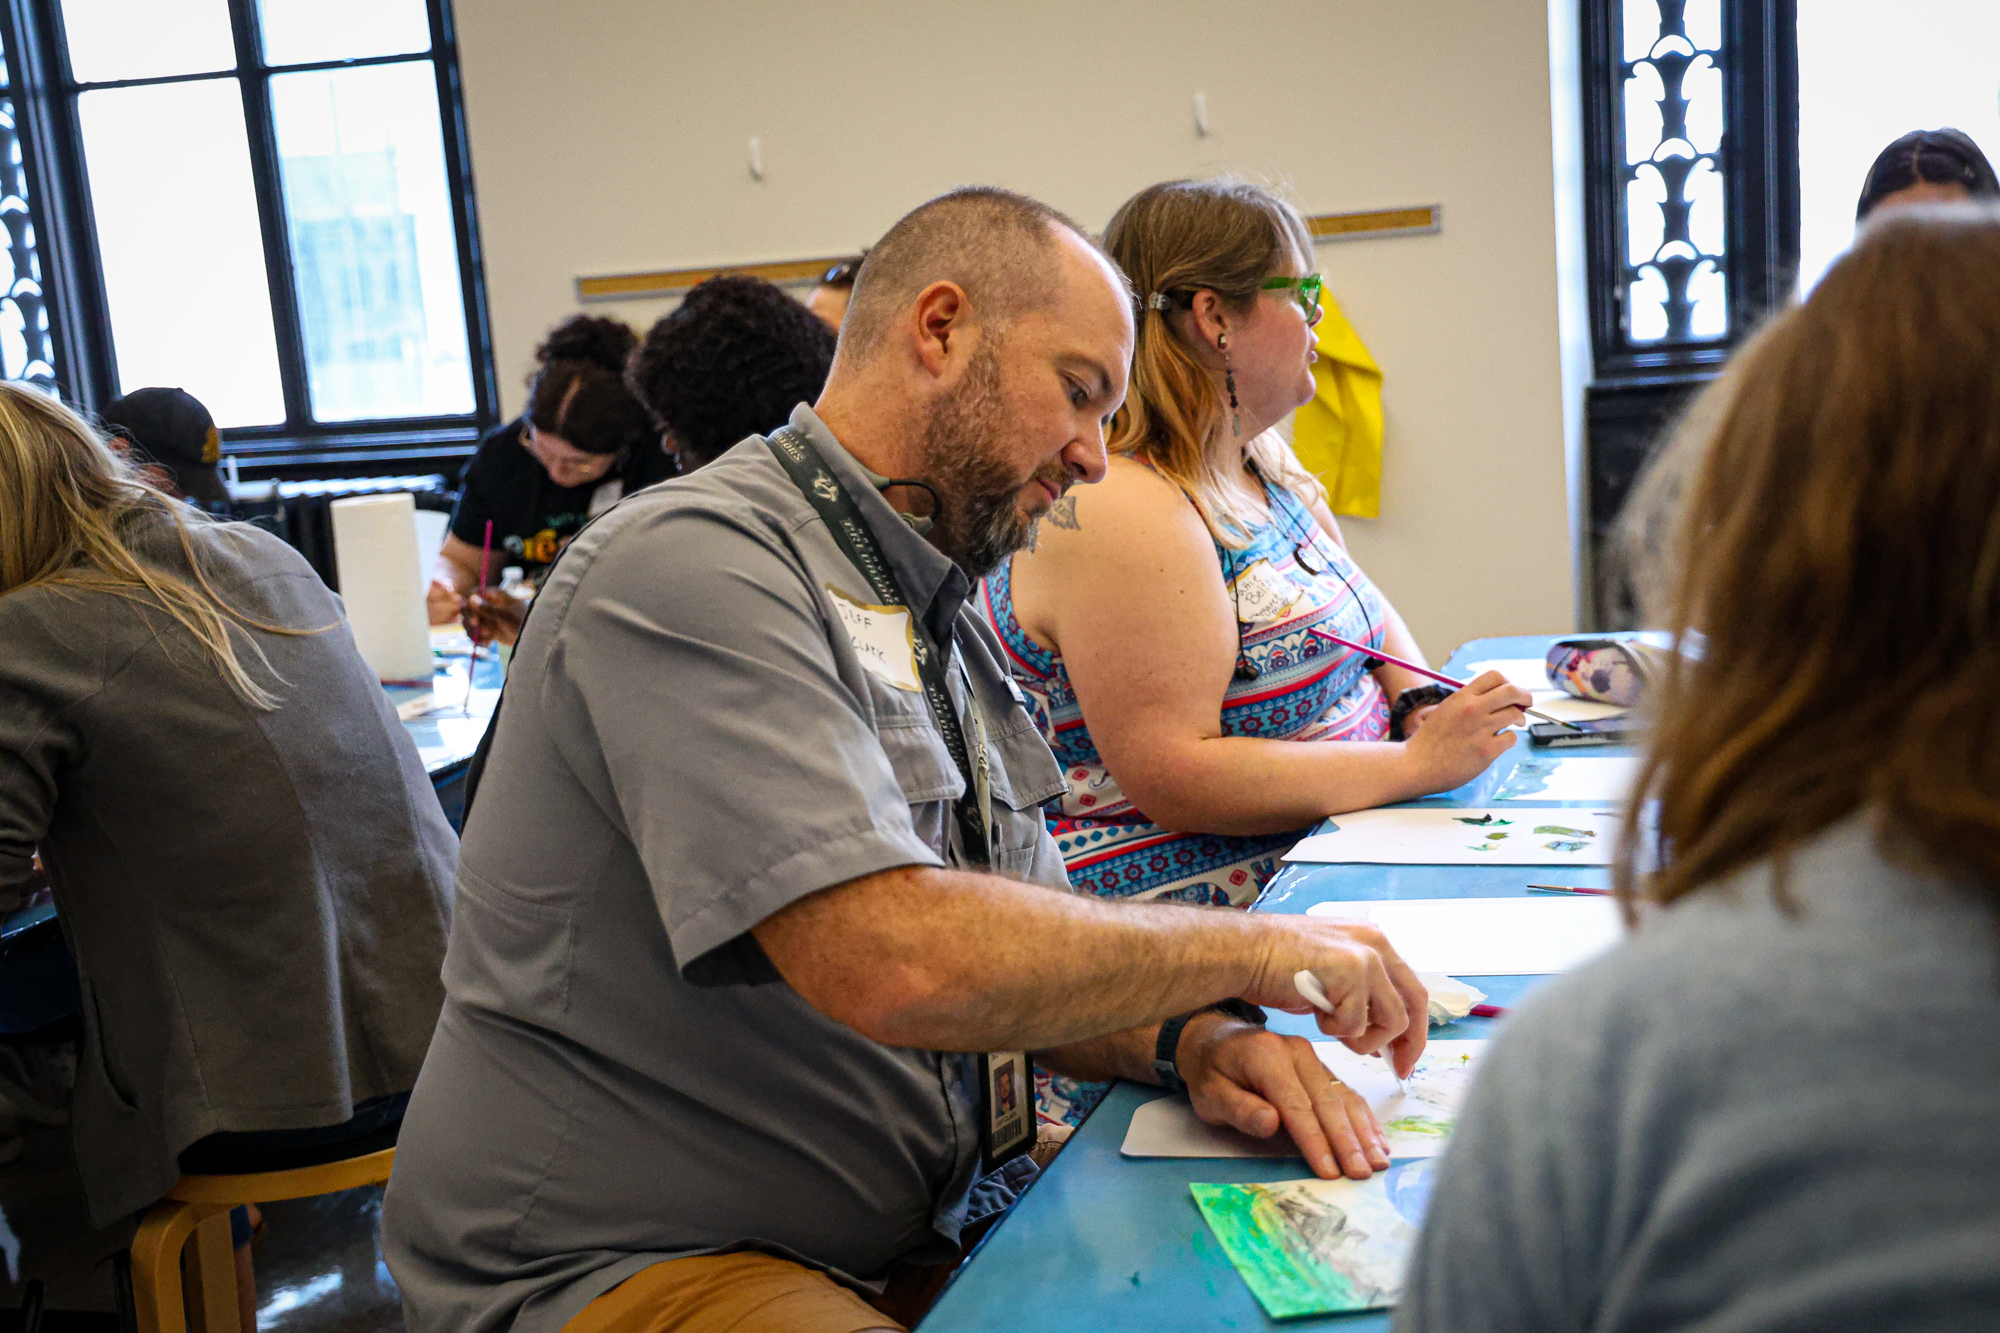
[[1009, 1119], [884, 639]]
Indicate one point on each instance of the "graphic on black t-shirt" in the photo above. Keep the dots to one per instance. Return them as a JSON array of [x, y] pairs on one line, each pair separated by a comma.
[[533, 518]]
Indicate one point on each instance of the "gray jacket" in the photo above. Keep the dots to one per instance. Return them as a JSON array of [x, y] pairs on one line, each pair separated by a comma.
[[257, 900]]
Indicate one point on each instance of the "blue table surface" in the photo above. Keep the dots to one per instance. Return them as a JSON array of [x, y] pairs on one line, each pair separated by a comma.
[[1106, 1242]]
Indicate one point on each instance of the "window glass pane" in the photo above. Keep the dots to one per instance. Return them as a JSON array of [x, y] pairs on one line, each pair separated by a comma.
[[374, 252], [141, 39], [1870, 73], [300, 31], [176, 218]]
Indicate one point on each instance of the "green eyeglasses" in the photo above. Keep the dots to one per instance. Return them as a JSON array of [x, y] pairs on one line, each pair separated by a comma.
[[1308, 290]]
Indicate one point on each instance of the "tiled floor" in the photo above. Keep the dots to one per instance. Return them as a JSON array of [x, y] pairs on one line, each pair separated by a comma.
[[319, 1264]]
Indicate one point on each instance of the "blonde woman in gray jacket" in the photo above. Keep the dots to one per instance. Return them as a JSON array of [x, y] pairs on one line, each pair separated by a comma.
[[250, 864]]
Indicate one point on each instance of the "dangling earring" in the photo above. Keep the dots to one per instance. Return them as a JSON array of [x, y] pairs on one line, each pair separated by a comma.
[[1229, 381]]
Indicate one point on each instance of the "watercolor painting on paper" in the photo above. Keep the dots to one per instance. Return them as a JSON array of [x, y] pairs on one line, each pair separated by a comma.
[[1309, 1247]]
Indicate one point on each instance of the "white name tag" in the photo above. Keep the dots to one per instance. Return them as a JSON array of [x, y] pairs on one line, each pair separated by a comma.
[[882, 639], [1262, 593]]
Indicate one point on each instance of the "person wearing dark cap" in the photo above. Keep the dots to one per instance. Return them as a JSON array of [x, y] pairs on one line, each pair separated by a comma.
[[583, 444], [829, 299], [732, 361], [1927, 166], [171, 432]]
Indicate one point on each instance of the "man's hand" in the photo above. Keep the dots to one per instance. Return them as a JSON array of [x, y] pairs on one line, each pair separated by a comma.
[[1256, 1081], [1377, 999]]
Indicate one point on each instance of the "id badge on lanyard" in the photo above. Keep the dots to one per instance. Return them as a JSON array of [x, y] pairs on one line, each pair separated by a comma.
[[1006, 1078]]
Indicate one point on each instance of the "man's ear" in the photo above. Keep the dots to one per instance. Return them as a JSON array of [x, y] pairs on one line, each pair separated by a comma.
[[939, 320]]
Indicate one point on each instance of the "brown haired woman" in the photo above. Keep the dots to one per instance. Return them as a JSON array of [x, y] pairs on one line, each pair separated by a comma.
[[1774, 1107], [250, 864], [583, 444], [1163, 625]]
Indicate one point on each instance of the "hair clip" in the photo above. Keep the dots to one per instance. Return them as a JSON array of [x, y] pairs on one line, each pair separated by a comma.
[[1157, 301]]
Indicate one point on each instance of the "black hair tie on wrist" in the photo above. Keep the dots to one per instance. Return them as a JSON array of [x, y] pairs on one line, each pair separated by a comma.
[[1409, 701]]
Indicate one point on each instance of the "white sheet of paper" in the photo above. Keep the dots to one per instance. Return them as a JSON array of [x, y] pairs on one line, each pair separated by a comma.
[[1569, 708], [1491, 937], [1418, 1123], [1530, 673], [1558, 777], [1442, 836]]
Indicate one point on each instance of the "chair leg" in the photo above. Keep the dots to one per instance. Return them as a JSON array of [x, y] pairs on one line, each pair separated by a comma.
[[156, 1267], [213, 1265]]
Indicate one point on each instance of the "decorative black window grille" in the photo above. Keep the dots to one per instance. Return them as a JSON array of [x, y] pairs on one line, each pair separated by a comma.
[[1690, 175], [1673, 290], [27, 352]]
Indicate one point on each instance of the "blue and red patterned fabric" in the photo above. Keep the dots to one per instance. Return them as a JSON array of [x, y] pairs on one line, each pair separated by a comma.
[[1290, 578]]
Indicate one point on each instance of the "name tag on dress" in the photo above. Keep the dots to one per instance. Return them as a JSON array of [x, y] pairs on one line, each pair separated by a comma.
[[883, 639], [1263, 594]]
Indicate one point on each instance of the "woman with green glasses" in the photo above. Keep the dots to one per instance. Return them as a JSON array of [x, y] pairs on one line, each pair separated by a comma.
[[1163, 626]]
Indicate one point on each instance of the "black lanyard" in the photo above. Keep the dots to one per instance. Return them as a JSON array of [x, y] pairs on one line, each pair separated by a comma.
[[801, 460]]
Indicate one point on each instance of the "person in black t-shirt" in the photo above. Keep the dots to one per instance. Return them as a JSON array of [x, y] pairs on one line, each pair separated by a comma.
[[583, 444]]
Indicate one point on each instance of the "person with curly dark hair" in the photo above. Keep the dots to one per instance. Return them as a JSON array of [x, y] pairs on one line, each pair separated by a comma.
[[583, 444], [734, 360]]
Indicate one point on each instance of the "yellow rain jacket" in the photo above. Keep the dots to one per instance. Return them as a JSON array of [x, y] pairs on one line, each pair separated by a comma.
[[1338, 435]]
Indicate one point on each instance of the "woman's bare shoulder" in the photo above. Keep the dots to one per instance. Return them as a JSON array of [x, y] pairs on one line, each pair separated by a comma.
[[1132, 497]]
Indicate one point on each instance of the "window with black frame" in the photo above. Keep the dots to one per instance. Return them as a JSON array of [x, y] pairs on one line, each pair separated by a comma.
[[274, 203], [1691, 209]]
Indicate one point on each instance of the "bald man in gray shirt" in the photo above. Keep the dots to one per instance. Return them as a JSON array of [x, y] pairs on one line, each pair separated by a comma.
[[725, 955]]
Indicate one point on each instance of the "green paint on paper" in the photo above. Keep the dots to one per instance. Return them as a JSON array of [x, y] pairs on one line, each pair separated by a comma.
[[1486, 819], [1481, 847], [1570, 846], [1562, 832], [1309, 1247], [1495, 837], [1271, 1254], [1419, 1125]]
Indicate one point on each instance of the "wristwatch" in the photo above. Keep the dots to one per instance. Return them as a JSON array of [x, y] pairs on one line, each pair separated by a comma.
[[1165, 1067]]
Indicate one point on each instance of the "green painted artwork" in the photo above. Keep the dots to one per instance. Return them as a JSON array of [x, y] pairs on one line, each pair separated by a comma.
[[1566, 845], [1559, 831], [1309, 1247], [1486, 819], [1421, 1125]]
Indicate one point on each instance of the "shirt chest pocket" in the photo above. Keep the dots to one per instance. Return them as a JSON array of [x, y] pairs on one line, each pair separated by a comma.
[[1021, 775]]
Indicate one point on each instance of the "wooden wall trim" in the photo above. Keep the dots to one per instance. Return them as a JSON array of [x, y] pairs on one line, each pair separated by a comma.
[[1418, 221]]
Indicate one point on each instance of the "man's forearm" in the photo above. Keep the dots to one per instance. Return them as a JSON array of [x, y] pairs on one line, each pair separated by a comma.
[[949, 960], [1126, 1055]]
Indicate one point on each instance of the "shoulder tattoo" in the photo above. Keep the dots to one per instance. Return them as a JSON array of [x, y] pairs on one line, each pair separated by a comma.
[[1063, 513]]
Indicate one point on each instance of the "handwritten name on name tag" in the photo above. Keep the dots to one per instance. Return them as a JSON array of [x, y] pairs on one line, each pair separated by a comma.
[[1263, 594], [882, 639]]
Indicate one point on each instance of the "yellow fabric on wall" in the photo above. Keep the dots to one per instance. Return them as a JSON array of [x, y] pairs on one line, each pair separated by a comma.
[[1338, 435]]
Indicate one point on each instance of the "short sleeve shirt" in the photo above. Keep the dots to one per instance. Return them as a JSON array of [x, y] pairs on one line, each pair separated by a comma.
[[532, 517], [693, 737]]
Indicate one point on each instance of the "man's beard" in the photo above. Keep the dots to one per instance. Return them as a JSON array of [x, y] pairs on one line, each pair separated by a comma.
[[979, 522]]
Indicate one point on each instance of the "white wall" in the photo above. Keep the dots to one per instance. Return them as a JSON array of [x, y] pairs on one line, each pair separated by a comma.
[[611, 136]]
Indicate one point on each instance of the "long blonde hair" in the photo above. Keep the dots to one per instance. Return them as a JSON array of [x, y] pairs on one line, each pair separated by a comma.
[[67, 505], [1174, 239], [1833, 542]]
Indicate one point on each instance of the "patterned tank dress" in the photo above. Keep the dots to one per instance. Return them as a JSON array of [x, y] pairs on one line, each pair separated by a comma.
[[1291, 578]]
